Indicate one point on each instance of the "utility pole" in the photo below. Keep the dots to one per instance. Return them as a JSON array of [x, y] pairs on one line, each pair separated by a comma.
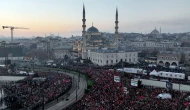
[[76, 91], [86, 81], [43, 107], [179, 95], [122, 72], [79, 76], [33, 66], [179, 87], [48, 49], [78, 82]]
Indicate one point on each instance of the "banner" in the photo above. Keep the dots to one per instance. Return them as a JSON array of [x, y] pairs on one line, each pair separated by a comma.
[[169, 85], [134, 82], [188, 77], [116, 79]]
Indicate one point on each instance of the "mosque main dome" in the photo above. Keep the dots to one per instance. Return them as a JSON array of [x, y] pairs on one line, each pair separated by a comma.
[[92, 30]]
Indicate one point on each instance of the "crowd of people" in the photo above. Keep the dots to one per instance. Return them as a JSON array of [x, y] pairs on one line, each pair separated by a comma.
[[2, 70], [106, 94], [36, 89]]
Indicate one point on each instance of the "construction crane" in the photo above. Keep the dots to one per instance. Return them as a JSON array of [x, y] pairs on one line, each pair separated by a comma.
[[12, 28]]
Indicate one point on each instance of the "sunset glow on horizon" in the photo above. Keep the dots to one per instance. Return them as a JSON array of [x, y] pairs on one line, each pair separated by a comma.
[[64, 17]]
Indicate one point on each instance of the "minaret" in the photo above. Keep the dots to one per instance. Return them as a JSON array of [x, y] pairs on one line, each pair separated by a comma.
[[84, 35], [160, 30], [116, 29], [83, 20]]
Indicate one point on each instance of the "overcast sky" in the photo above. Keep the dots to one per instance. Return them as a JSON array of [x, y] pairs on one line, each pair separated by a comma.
[[65, 16]]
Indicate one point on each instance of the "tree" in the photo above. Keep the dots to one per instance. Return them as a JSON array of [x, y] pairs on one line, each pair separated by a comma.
[[78, 59], [154, 53], [42, 55], [87, 61], [143, 53], [185, 44], [182, 58], [169, 49], [66, 58], [33, 46]]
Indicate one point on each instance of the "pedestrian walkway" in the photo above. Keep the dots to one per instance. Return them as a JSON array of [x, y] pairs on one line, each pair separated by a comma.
[[71, 96]]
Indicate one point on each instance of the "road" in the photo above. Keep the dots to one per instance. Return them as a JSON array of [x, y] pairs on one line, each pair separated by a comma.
[[62, 103]]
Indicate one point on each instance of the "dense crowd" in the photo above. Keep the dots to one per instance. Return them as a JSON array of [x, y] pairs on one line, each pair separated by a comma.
[[106, 94], [2, 70], [36, 89], [146, 98]]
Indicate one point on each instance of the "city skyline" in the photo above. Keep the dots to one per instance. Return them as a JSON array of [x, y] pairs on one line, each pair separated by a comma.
[[65, 17]]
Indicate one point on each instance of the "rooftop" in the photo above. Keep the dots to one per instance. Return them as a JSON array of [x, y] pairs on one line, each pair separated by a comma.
[[109, 50]]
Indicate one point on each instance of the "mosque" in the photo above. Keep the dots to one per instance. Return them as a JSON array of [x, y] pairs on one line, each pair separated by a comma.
[[102, 51], [93, 39]]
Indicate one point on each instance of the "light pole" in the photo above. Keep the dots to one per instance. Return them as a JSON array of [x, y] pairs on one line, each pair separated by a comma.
[[78, 80], [43, 108], [121, 75], [33, 65], [76, 90], [179, 95], [78, 75], [86, 81], [179, 87]]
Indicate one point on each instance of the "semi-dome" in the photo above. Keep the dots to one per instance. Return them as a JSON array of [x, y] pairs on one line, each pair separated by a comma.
[[92, 29]]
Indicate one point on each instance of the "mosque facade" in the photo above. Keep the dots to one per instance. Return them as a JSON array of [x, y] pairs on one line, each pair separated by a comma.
[[93, 39], [102, 51]]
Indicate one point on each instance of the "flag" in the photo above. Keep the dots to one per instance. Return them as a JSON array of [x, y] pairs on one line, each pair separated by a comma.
[[116, 79]]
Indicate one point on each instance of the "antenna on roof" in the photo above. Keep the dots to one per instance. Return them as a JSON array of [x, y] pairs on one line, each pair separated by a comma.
[[92, 24]]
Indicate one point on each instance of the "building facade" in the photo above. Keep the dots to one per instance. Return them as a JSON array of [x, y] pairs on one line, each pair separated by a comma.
[[77, 48], [60, 53], [103, 57], [168, 59]]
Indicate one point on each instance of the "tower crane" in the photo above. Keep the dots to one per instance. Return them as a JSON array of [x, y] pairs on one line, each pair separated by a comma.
[[12, 28]]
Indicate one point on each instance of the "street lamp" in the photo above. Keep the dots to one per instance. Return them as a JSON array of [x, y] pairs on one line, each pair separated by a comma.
[[43, 107], [121, 75], [78, 82], [76, 91]]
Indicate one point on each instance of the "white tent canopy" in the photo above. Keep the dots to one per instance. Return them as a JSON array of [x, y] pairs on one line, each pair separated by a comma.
[[22, 72], [152, 65], [31, 73], [154, 73], [164, 96]]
